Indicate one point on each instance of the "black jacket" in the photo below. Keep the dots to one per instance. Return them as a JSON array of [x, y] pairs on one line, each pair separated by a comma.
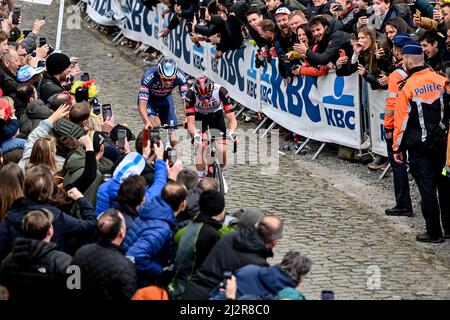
[[8, 82], [370, 77], [328, 47], [35, 270], [34, 113], [207, 238], [313, 11], [64, 225], [48, 86], [106, 273], [231, 252]]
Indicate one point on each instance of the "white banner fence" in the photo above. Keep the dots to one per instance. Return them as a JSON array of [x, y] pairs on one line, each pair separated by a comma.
[[325, 109]]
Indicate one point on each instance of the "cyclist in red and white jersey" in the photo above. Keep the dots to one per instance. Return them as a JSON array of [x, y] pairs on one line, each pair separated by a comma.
[[207, 105]]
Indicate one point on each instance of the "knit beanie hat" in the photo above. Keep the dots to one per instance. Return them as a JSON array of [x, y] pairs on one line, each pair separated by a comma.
[[211, 202], [57, 63]]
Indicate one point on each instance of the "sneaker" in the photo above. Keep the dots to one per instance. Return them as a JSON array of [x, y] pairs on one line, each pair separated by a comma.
[[247, 119], [225, 185], [286, 147], [366, 143], [425, 237]]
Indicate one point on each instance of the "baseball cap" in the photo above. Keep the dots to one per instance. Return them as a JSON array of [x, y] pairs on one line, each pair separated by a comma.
[[282, 10], [413, 48], [401, 38], [27, 72], [248, 217]]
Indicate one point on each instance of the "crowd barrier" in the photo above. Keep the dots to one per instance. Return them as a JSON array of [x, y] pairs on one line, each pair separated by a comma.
[[325, 109]]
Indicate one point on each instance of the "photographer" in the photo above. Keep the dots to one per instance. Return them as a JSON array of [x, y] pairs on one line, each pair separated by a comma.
[[182, 9], [234, 17], [258, 282], [211, 25], [344, 11]]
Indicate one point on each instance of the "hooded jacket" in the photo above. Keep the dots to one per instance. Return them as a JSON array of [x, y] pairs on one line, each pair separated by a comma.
[[34, 113], [230, 253], [259, 282], [149, 242], [328, 48], [64, 225], [34, 270], [74, 167]]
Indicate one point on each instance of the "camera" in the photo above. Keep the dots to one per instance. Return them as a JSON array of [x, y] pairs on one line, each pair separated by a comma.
[[106, 111], [327, 295], [154, 136], [338, 7], [172, 156], [121, 135], [81, 94], [16, 16], [96, 107], [85, 77], [202, 12], [226, 276], [189, 27], [42, 41]]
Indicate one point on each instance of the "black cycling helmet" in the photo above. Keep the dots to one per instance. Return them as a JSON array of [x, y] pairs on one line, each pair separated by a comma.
[[167, 68], [203, 86]]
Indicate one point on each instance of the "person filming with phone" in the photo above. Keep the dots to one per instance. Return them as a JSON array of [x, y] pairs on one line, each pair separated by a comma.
[[155, 99]]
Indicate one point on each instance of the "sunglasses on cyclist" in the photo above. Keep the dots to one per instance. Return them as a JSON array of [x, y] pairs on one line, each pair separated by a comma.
[[167, 80]]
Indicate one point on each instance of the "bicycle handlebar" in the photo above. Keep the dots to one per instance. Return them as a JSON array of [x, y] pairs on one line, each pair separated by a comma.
[[166, 126]]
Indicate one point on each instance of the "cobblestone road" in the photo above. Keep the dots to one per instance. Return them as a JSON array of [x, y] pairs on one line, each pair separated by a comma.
[[347, 242]]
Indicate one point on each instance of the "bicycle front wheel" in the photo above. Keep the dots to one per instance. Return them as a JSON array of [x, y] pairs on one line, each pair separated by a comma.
[[217, 175]]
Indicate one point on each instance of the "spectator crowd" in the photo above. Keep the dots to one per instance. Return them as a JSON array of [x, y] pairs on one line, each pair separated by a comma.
[[84, 217], [136, 227]]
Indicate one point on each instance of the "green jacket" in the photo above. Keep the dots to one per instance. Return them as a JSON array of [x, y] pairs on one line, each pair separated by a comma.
[[74, 167]]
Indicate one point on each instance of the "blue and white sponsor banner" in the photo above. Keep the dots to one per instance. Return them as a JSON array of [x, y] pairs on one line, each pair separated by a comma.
[[44, 2], [105, 12], [377, 101], [237, 73], [321, 108], [141, 24]]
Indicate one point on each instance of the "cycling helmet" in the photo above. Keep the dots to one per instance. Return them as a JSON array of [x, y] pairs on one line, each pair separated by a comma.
[[167, 68], [203, 86]]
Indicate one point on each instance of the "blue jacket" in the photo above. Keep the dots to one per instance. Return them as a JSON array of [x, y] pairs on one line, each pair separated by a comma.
[[258, 282], [107, 192], [149, 242], [64, 225]]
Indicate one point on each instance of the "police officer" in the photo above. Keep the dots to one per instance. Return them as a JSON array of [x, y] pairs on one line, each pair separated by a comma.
[[420, 127], [403, 205]]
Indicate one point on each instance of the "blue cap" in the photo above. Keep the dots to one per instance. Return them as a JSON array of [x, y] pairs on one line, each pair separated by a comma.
[[27, 72], [401, 39], [412, 47]]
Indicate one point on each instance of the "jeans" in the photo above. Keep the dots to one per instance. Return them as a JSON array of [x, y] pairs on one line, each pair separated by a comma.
[[13, 144]]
